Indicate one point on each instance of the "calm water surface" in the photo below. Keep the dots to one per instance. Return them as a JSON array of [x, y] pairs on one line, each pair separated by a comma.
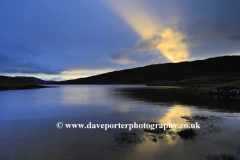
[[28, 123]]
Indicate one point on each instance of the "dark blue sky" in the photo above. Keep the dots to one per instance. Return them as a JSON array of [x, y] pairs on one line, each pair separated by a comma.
[[65, 39]]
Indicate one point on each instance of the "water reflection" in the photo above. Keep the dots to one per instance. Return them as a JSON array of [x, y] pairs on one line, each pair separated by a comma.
[[198, 125], [178, 96], [84, 95], [28, 119], [174, 115]]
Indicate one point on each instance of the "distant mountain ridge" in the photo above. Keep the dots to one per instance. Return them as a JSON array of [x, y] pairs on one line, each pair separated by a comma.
[[226, 66], [21, 80]]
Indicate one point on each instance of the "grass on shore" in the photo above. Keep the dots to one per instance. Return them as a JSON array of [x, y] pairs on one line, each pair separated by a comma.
[[230, 84], [205, 89], [201, 81], [202, 84]]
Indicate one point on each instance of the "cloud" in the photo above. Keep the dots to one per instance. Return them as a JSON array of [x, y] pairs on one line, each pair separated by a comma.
[[21, 48], [203, 30], [210, 36], [235, 38], [83, 71], [5, 60], [123, 61], [191, 42], [55, 79], [143, 45], [11, 65], [140, 20], [96, 58], [122, 53], [148, 44], [167, 42]]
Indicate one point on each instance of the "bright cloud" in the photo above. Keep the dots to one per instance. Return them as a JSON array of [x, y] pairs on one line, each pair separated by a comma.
[[123, 61], [166, 41]]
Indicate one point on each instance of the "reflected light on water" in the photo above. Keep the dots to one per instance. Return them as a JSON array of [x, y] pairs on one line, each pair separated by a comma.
[[174, 117], [82, 95], [28, 125]]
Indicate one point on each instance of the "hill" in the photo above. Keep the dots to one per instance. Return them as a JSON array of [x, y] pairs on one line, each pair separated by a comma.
[[21, 80], [226, 66], [17, 83]]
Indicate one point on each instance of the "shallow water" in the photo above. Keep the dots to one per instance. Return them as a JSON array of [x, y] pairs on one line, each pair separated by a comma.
[[28, 123]]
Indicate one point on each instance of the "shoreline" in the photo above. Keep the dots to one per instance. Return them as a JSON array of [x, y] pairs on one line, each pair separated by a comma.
[[16, 86]]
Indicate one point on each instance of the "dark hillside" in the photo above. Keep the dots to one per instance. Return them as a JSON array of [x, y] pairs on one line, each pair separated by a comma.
[[226, 66], [21, 80]]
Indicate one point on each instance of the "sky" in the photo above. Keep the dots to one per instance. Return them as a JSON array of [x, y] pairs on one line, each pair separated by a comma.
[[69, 39]]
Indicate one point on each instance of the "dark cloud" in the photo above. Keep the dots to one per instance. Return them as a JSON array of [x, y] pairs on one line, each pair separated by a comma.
[[191, 42], [148, 44], [122, 53], [144, 44], [211, 36], [96, 58], [235, 38], [21, 48], [203, 30], [5, 60], [10, 65]]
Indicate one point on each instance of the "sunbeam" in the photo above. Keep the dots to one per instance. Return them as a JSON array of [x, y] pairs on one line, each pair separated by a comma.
[[134, 14]]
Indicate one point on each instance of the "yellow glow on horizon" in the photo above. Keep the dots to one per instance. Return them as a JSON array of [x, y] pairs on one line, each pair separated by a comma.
[[84, 71], [65, 75], [134, 14], [74, 74], [68, 77], [75, 71]]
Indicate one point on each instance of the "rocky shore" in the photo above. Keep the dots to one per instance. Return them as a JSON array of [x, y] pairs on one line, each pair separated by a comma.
[[223, 93]]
